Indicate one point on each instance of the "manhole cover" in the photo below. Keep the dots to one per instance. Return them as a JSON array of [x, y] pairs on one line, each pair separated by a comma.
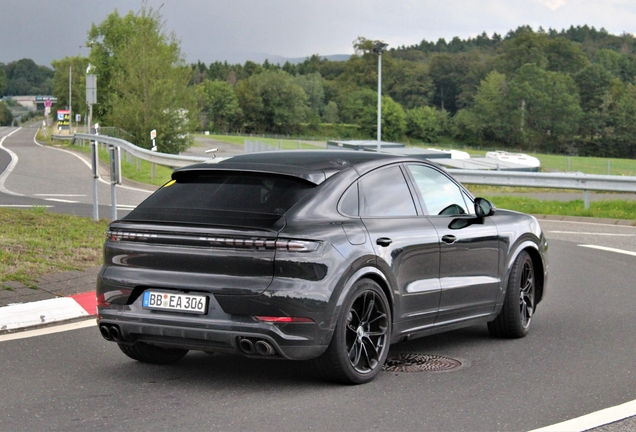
[[419, 363]]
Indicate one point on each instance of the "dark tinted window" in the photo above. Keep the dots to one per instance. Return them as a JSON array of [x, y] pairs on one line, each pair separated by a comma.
[[221, 197], [386, 194]]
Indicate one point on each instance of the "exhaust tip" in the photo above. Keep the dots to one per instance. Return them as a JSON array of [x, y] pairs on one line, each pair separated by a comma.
[[264, 348], [105, 331], [115, 333], [246, 346]]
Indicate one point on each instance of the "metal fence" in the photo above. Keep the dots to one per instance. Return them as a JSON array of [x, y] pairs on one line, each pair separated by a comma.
[[576, 181]]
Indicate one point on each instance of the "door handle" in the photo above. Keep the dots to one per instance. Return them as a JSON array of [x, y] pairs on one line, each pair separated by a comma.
[[383, 241], [449, 239]]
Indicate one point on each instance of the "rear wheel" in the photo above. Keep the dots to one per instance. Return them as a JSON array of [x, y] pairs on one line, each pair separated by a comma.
[[152, 354], [360, 342], [516, 314]]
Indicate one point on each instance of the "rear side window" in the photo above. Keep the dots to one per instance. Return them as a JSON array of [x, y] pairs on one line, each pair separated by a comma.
[[386, 194], [206, 197]]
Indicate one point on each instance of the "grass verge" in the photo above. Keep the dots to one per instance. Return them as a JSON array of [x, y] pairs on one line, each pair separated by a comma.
[[615, 209], [35, 242], [283, 144]]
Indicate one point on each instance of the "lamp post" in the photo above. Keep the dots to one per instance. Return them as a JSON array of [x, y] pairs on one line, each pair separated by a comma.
[[378, 48]]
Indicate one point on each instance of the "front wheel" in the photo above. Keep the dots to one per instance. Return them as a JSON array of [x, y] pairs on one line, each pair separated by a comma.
[[360, 342], [516, 314]]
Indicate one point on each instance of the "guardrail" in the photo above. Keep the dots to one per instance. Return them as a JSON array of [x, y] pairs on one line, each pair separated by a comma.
[[164, 159], [577, 181]]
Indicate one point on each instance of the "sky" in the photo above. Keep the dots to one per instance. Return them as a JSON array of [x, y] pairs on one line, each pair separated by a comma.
[[210, 30]]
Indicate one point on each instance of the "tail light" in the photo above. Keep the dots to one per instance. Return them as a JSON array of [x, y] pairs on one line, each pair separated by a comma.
[[220, 242]]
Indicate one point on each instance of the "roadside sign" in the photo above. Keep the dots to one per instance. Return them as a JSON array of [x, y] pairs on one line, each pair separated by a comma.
[[48, 103]]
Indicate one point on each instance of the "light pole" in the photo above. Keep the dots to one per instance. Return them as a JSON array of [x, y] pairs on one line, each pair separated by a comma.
[[378, 48]]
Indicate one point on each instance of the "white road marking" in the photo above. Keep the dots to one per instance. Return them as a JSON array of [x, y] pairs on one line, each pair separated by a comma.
[[49, 330], [10, 167], [61, 200], [126, 207], [593, 420], [58, 195], [592, 233], [620, 251]]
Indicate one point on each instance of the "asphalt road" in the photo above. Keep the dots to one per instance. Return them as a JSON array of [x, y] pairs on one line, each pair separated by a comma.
[[33, 174], [577, 359]]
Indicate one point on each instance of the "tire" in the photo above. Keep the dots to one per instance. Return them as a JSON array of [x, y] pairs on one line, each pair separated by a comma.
[[516, 314], [152, 354], [360, 342]]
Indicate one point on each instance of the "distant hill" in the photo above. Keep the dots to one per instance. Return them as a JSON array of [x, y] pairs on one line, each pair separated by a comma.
[[242, 57]]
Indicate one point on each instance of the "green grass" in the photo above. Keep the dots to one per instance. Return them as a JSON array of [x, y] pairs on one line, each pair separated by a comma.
[[284, 144], [614, 209], [35, 242]]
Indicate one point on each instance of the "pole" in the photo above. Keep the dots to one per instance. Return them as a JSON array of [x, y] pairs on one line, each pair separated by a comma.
[[70, 108], [379, 99], [95, 168]]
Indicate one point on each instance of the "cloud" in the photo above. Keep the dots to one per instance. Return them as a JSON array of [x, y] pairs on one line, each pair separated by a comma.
[[554, 4]]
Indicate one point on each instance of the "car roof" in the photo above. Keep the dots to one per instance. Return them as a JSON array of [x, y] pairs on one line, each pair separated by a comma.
[[315, 166]]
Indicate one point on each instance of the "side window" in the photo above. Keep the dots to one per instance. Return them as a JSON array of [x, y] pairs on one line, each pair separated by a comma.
[[349, 202], [385, 193], [441, 196]]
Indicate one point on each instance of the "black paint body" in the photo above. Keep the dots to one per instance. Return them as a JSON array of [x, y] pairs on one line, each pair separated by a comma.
[[439, 272]]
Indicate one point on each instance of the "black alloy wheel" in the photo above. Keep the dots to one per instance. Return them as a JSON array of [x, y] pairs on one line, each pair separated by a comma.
[[360, 342], [516, 314]]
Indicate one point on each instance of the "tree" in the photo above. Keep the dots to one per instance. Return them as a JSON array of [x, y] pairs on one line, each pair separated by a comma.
[[24, 77], [545, 105], [393, 120], [490, 111], [3, 81], [146, 79], [330, 113], [77, 65], [6, 116], [526, 47], [271, 101], [423, 123], [442, 72], [410, 84], [219, 101], [565, 56], [313, 88]]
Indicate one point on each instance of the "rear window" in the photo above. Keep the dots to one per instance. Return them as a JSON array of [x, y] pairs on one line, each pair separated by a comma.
[[224, 198]]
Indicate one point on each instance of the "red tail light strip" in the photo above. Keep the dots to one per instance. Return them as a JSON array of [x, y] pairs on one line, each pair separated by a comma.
[[275, 319]]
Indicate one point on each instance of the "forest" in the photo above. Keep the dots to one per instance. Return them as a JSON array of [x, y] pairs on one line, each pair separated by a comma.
[[571, 91]]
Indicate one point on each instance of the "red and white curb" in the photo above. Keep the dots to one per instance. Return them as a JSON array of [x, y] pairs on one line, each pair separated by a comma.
[[21, 315]]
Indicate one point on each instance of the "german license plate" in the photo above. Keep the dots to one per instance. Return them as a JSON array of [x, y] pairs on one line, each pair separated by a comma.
[[175, 302]]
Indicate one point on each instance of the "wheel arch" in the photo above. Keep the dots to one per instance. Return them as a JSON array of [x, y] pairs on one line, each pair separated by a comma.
[[368, 272], [537, 262]]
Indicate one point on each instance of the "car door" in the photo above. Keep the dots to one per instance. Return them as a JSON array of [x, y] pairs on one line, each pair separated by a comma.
[[469, 253], [406, 246]]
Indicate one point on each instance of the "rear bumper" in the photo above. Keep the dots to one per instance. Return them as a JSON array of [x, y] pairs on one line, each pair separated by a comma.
[[216, 331]]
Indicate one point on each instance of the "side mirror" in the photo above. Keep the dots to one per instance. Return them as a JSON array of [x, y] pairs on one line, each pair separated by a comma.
[[484, 208]]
